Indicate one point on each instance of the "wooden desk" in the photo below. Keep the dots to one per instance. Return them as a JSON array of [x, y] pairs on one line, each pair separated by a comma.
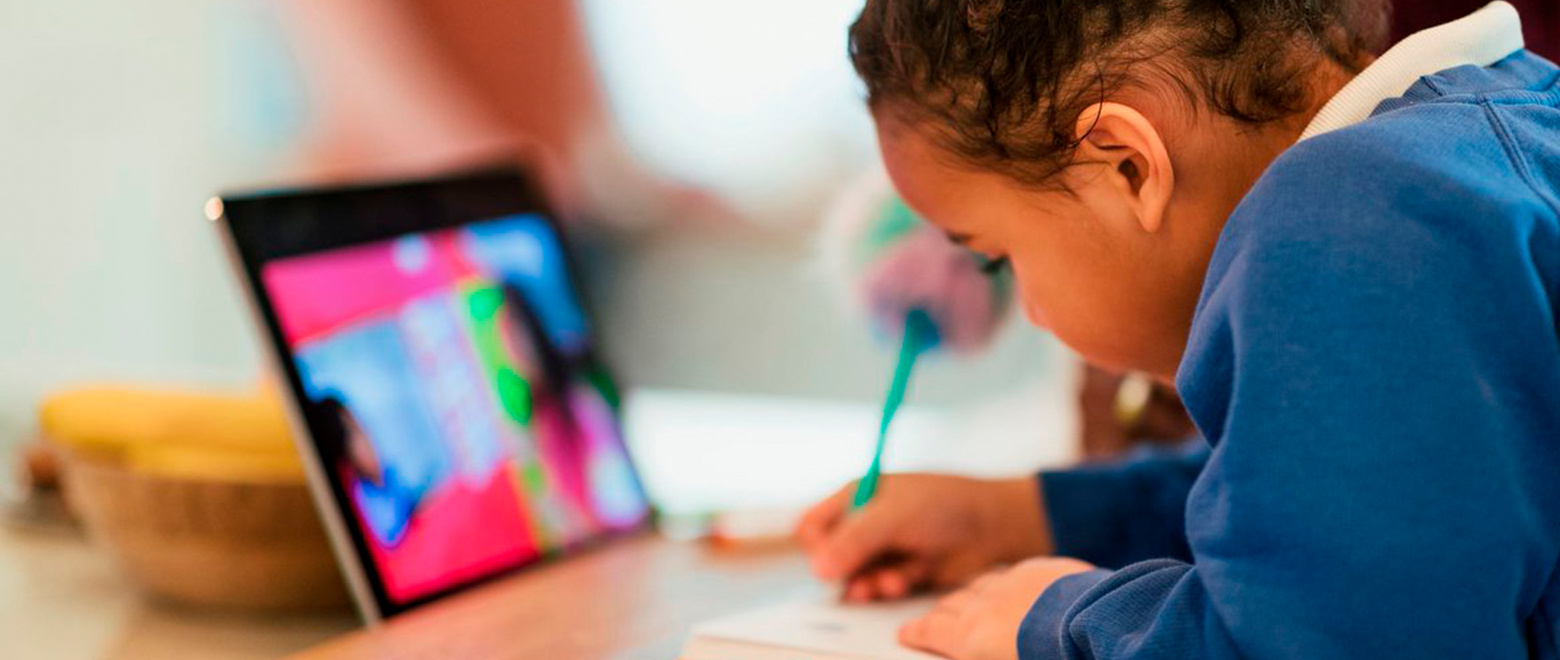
[[63, 598], [629, 600]]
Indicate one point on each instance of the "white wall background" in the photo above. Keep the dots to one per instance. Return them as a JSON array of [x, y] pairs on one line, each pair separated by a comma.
[[117, 121], [753, 99]]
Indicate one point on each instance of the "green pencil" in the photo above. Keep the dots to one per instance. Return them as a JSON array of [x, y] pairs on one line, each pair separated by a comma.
[[920, 334]]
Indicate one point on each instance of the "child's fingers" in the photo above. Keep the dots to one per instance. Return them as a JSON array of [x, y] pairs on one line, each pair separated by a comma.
[[918, 572], [815, 524], [889, 576], [935, 632], [855, 542], [901, 578], [892, 583], [859, 590], [873, 584]]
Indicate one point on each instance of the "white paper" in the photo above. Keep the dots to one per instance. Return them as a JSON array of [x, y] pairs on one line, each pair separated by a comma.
[[821, 624]]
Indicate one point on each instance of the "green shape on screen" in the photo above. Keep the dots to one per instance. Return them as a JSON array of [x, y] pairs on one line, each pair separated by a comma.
[[483, 303], [535, 478], [514, 393], [602, 381]]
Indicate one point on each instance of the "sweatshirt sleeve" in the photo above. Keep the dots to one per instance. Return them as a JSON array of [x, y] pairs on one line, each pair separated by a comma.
[[1379, 375], [1115, 513]]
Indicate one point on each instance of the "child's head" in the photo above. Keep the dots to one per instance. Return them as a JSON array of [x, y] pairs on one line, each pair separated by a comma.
[[1099, 144]]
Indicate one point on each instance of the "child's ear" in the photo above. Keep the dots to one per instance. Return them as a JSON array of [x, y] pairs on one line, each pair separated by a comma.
[[1139, 165]]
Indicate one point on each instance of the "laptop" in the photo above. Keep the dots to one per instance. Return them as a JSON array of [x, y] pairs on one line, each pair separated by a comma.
[[447, 390]]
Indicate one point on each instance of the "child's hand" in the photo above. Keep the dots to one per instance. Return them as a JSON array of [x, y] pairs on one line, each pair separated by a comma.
[[923, 530], [980, 622]]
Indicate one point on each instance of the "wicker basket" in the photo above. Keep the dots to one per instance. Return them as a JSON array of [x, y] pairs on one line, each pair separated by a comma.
[[205, 542]]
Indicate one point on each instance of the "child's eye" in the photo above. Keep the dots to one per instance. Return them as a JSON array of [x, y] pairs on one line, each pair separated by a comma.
[[993, 266]]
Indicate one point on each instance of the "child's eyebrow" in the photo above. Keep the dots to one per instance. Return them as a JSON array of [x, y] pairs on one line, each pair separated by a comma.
[[961, 239]]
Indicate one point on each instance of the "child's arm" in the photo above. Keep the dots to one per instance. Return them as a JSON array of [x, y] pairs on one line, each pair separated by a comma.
[[1381, 382], [1115, 513]]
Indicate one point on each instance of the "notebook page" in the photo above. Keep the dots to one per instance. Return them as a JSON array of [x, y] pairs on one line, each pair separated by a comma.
[[821, 624]]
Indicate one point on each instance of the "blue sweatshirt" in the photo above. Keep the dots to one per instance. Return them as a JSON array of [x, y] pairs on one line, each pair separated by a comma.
[[1374, 364]]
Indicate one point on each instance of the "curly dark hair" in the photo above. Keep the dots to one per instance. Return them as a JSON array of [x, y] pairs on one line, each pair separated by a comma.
[[1004, 81]]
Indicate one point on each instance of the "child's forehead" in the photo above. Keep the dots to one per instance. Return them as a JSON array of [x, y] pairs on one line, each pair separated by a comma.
[[923, 172]]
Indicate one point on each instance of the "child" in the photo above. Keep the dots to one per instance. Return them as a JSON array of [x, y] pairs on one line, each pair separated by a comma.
[[1349, 267]]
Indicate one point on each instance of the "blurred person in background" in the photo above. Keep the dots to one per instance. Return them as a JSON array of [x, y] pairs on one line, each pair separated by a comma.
[[416, 87]]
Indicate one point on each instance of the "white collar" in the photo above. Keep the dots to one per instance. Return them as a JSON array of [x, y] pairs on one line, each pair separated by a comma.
[[1482, 38]]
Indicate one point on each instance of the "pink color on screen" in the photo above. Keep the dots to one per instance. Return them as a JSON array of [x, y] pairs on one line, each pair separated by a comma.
[[315, 294], [460, 533]]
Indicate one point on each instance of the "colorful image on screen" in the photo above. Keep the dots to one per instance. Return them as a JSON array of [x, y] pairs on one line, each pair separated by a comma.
[[454, 399]]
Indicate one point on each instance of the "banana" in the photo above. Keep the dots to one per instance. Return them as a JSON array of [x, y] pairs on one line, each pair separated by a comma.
[[232, 437]]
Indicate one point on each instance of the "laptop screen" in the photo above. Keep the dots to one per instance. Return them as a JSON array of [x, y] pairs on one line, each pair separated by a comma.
[[448, 382]]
